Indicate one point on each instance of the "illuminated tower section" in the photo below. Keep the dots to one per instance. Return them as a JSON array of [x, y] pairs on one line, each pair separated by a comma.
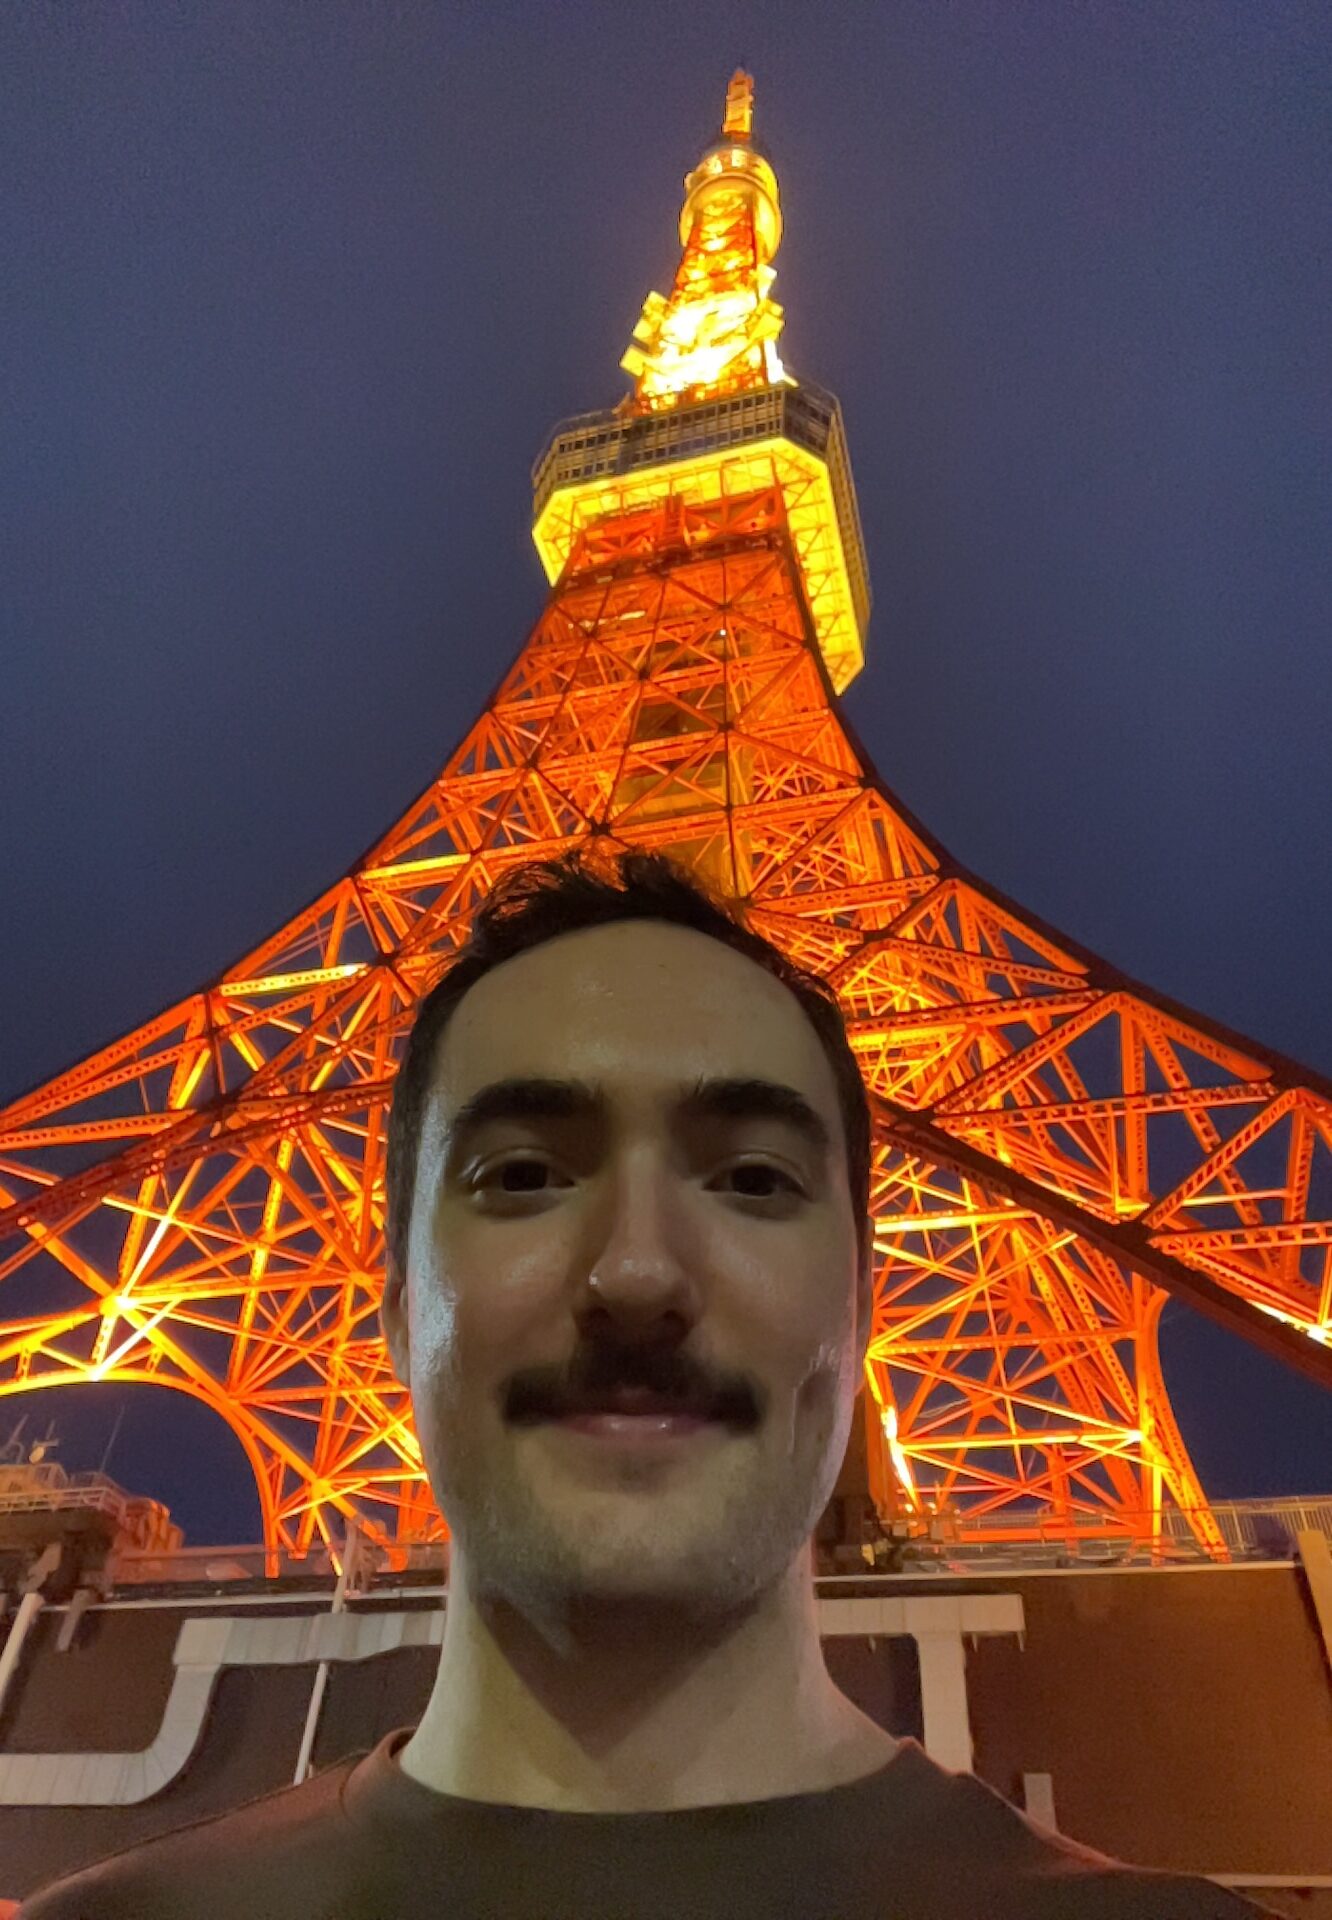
[[717, 333], [199, 1205], [714, 416]]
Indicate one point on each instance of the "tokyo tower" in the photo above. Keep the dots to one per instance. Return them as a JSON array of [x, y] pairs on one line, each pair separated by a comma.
[[199, 1205]]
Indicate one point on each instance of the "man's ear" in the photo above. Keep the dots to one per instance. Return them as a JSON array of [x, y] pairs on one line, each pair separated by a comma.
[[393, 1320]]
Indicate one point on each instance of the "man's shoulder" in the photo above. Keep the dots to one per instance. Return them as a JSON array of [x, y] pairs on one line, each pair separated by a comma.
[[1123, 1892], [1014, 1866], [291, 1844]]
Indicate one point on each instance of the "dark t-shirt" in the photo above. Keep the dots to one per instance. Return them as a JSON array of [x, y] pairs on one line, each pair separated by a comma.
[[364, 1841]]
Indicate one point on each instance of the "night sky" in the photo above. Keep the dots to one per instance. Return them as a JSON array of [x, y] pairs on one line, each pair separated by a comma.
[[293, 294]]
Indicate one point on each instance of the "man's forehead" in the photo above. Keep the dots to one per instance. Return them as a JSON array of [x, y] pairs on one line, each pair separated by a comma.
[[640, 1016]]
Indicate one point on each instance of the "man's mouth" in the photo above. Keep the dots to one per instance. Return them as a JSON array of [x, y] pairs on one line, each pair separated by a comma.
[[651, 1429], [635, 1402], [629, 1417], [636, 1413]]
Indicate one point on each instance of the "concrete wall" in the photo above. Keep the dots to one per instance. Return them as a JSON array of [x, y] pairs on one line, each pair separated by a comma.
[[1184, 1717]]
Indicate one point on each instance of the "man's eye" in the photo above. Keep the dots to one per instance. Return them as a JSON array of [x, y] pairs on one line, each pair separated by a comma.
[[515, 1175], [756, 1179]]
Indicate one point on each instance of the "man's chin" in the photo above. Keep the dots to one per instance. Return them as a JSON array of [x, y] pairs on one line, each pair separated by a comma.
[[611, 1553], [648, 1598]]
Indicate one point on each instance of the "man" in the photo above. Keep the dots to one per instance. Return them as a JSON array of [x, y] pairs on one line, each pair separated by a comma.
[[629, 1285]]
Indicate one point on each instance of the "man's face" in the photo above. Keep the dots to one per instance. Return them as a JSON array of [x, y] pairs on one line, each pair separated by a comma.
[[630, 1241]]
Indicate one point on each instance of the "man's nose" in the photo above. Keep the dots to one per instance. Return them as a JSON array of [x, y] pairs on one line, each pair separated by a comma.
[[641, 1263]]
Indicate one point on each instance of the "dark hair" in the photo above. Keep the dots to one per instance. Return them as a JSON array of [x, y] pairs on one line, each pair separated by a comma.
[[544, 898]]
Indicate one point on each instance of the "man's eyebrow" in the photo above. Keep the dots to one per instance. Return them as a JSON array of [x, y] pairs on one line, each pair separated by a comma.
[[534, 1097], [756, 1099]]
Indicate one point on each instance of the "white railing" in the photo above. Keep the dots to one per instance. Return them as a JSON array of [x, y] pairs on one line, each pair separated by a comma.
[[30, 1489], [215, 1566], [45, 1487], [1251, 1529], [1265, 1529]]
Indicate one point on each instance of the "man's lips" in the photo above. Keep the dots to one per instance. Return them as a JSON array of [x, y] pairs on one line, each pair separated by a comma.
[[636, 1401], [635, 1429], [635, 1409], [635, 1416]]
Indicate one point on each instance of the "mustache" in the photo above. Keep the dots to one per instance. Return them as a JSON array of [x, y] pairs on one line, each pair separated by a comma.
[[551, 1393]]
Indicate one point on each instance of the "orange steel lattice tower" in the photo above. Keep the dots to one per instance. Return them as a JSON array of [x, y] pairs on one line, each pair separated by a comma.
[[200, 1204]]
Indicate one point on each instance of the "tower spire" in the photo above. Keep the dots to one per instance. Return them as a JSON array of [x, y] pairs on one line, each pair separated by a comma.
[[715, 333], [738, 120]]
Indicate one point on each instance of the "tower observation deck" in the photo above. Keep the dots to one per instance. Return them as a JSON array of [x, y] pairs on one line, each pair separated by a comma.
[[715, 416]]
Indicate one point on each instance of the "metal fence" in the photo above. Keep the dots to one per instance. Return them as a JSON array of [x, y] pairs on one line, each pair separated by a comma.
[[32, 1489], [1252, 1529]]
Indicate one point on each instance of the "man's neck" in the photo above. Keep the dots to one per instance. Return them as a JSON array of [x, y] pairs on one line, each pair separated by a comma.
[[638, 1714]]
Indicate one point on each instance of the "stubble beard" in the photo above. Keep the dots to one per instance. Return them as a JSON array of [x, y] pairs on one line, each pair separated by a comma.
[[694, 1547]]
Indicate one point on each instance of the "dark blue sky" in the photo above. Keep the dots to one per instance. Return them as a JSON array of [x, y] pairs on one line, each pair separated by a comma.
[[293, 293]]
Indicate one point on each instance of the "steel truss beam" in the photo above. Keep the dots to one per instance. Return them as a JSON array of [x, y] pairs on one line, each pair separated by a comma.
[[200, 1204]]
